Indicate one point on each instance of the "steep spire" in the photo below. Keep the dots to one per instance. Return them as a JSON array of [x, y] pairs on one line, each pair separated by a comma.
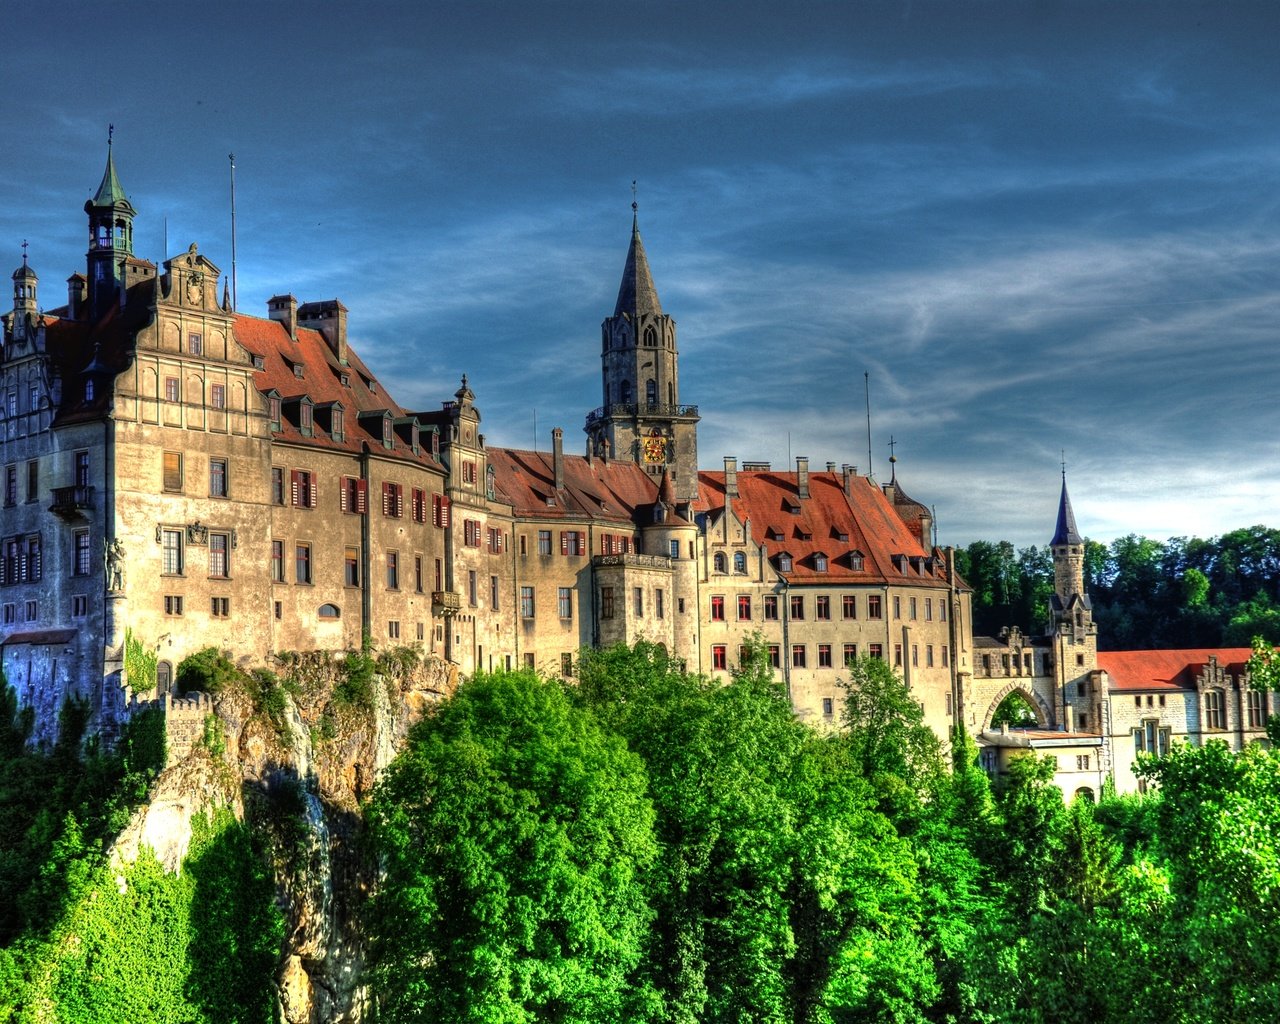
[[110, 192], [637, 295], [1066, 532]]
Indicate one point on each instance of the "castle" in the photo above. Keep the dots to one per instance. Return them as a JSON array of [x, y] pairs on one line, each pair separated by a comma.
[[198, 476]]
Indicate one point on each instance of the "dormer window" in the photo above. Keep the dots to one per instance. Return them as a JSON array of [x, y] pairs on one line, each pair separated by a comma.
[[387, 439], [373, 387], [414, 437], [842, 536], [775, 534], [819, 562], [435, 444], [855, 561], [88, 390], [306, 422], [338, 429], [344, 379], [273, 405], [784, 562], [259, 363], [298, 370], [793, 508]]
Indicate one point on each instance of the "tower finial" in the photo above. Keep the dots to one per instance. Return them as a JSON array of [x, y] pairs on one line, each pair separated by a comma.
[[1064, 465], [635, 207], [111, 131], [24, 252]]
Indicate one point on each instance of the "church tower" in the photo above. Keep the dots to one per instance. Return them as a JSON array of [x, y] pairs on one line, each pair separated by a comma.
[[110, 240], [1071, 607], [1078, 702], [642, 420]]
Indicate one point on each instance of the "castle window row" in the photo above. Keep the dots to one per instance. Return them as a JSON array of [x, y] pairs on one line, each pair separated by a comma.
[[20, 559], [11, 483], [798, 606]]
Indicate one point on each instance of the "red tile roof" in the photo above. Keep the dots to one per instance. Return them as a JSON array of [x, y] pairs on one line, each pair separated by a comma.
[[321, 382], [1167, 670], [864, 516], [599, 489]]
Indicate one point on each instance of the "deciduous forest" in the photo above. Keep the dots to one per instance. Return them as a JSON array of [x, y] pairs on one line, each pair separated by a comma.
[[651, 846]]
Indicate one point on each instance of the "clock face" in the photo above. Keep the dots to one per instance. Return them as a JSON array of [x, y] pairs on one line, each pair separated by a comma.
[[655, 448]]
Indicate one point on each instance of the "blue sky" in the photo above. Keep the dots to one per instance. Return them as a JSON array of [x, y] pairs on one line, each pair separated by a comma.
[[1038, 226]]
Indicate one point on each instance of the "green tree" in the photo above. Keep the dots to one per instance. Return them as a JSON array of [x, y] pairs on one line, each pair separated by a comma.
[[514, 834]]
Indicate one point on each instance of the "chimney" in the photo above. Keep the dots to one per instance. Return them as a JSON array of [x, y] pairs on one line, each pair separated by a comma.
[[330, 319], [831, 467], [730, 477], [848, 471], [591, 452], [1069, 718], [76, 287], [557, 457], [802, 476], [284, 309]]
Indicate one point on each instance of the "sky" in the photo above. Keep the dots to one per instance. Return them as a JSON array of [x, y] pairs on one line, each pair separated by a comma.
[[1034, 231]]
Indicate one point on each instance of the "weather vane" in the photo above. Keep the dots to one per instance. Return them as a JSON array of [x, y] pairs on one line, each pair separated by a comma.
[[111, 131], [1064, 463], [892, 442], [24, 252], [634, 205]]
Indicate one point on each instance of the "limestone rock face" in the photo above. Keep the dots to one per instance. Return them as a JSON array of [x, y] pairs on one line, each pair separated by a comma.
[[299, 778]]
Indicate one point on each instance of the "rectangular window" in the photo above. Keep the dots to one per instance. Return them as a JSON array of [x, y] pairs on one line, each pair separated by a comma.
[[659, 603], [306, 416], [32, 565], [544, 542], [80, 553], [824, 607], [195, 344], [220, 607], [946, 656], [439, 575], [719, 660], [171, 550], [392, 500], [928, 655], [771, 607], [353, 495], [79, 605], [828, 707], [566, 664], [897, 607], [824, 656], [493, 592], [419, 505], [393, 629], [10, 485], [673, 549], [82, 469], [468, 472], [848, 606], [440, 511], [775, 656], [797, 606], [173, 471], [217, 478], [33, 480], [219, 555], [302, 489], [1082, 762], [218, 396], [897, 655], [949, 704], [302, 563], [173, 604], [566, 602], [928, 609], [874, 608], [393, 570], [637, 601], [1214, 710], [850, 654], [912, 606], [942, 610], [273, 411], [277, 485], [471, 533], [915, 655], [417, 573], [277, 561], [526, 602], [495, 541], [797, 656], [744, 653], [717, 608], [351, 566], [606, 602], [875, 651], [573, 542], [473, 594], [171, 389], [744, 607]]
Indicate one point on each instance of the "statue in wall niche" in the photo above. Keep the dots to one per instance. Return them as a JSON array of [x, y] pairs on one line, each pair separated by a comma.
[[115, 566]]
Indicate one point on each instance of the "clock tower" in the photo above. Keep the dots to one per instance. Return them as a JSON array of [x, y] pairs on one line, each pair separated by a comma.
[[642, 420]]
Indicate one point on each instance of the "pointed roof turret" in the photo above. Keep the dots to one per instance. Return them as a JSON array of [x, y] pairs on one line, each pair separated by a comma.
[[1066, 532], [637, 295], [110, 192]]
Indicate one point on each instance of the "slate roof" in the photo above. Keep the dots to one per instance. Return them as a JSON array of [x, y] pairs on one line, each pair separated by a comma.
[[608, 491], [1167, 670], [864, 516], [1065, 532]]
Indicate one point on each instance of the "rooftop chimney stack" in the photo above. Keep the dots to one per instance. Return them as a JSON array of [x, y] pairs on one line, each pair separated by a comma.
[[557, 457], [847, 470], [284, 309], [730, 477], [802, 476], [330, 319]]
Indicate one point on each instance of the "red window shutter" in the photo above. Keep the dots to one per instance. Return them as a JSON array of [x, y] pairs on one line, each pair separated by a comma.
[[294, 487], [311, 490], [342, 494], [386, 498], [564, 542], [362, 496], [399, 496], [582, 542], [435, 510], [446, 514]]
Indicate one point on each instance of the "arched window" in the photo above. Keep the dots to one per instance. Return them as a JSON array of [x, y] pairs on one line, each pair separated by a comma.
[[651, 391], [1086, 794], [329, 611], [164, 678], [624, 392], [740, 563], [721, 562], [650, 337]]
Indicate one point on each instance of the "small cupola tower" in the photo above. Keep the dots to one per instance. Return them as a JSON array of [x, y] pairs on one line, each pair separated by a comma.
[[25, 308], [110, 238], [1072, 610], [642, 419]]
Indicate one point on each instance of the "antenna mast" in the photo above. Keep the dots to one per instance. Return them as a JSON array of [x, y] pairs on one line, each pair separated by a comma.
[[866, 381], [232, 158]]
